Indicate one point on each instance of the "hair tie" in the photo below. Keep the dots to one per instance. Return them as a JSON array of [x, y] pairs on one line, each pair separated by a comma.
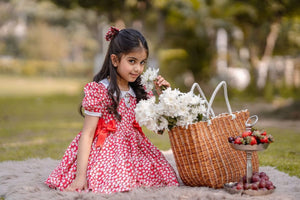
[[111, 33]]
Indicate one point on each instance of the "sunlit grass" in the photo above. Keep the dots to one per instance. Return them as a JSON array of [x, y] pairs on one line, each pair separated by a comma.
[[44, 126], [37, 126], [29, 86], [161, 141], [284, 153]]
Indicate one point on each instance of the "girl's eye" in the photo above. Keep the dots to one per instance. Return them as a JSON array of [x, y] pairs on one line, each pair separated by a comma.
[[132, 61], [143, 62]]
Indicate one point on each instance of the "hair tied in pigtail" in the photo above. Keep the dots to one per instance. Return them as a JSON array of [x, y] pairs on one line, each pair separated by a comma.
[[112, 32]]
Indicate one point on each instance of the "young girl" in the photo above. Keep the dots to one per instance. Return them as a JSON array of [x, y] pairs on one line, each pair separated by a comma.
[[111, 153]]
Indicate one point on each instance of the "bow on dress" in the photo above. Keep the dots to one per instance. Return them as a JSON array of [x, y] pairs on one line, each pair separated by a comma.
[[104, 128], [137, 126]]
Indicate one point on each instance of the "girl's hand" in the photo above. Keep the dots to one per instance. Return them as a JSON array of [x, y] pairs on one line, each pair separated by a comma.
[[160, 82], [79, 184]]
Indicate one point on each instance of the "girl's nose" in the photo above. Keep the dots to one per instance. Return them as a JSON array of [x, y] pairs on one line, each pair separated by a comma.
[[138, 68]]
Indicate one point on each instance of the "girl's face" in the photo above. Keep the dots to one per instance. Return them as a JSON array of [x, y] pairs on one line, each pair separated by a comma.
[[130, 66]]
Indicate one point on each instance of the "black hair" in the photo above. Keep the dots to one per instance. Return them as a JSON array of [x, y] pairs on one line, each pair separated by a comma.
[[124, 42]]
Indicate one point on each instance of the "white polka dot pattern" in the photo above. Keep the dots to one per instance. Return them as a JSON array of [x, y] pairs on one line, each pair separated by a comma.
[[127, 159]]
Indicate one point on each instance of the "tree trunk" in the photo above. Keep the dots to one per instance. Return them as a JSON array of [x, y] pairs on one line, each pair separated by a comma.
[[161, 26], [262, 65]]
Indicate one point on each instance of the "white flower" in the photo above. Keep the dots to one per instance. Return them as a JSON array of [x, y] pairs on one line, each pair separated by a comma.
[[185, 120], [169, 101], [144, 111], [163, 123], [148, 77], [152, 125], [173, 108]]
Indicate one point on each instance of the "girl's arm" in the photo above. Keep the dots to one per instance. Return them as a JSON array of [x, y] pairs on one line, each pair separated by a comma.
[[84, 148], [159, 82]]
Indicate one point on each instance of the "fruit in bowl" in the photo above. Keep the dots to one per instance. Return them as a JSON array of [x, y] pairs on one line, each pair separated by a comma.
[[259, 181], [252, 137], [258, 185]]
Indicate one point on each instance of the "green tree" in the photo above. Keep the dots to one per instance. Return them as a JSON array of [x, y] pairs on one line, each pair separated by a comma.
[[183, 32], [112, 9], [185, 48], [184, 41], [262, 22]]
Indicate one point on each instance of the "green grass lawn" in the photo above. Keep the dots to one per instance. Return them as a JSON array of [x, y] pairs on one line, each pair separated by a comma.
[[37, 126], [40, 126], [284, 153]]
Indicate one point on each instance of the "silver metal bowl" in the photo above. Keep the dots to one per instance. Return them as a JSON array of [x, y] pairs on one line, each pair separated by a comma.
[[229, 188], [248, 147]]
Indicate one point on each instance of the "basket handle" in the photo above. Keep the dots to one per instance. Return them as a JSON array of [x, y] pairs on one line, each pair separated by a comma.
[[196, 85], [223, 83]]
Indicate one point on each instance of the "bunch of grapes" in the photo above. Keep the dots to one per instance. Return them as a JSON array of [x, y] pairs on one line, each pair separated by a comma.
[[259, 181]]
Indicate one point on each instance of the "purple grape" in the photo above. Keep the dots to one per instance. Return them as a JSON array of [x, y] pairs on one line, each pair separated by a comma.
[[255, 179], [262, 174], [231, 139], [269, 184], [254, 186], [239, 186], [271, 187], [247, 186], [262, 183]]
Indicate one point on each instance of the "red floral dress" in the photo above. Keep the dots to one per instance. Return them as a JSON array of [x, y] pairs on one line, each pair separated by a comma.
[[121, 157]]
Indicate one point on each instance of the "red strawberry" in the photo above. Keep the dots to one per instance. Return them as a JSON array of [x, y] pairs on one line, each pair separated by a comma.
[[253, 140], [238, 140], [264, 139], [246, 133], [264, 133]]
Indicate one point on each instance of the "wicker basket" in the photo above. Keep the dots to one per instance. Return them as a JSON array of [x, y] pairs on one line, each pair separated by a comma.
[[202, 152]]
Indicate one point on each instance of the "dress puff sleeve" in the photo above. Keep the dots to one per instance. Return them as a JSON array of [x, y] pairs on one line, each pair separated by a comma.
[[94, 99]]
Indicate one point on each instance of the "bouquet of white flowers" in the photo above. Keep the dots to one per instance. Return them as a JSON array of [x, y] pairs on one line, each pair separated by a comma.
[[148, 77], [173, 108]]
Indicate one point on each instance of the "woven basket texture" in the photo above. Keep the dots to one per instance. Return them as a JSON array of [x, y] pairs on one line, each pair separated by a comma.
[[203, 154]]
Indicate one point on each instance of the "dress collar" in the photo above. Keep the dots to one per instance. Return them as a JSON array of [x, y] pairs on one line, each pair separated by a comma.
[[105, 82]]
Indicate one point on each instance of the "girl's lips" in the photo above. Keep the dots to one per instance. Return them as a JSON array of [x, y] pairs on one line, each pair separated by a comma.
[[134, 75]]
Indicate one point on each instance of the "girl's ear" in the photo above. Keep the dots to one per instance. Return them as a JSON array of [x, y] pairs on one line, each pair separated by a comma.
[[114, 60]]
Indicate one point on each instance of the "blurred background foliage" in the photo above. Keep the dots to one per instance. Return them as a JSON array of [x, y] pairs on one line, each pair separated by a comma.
[[253, 45]]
